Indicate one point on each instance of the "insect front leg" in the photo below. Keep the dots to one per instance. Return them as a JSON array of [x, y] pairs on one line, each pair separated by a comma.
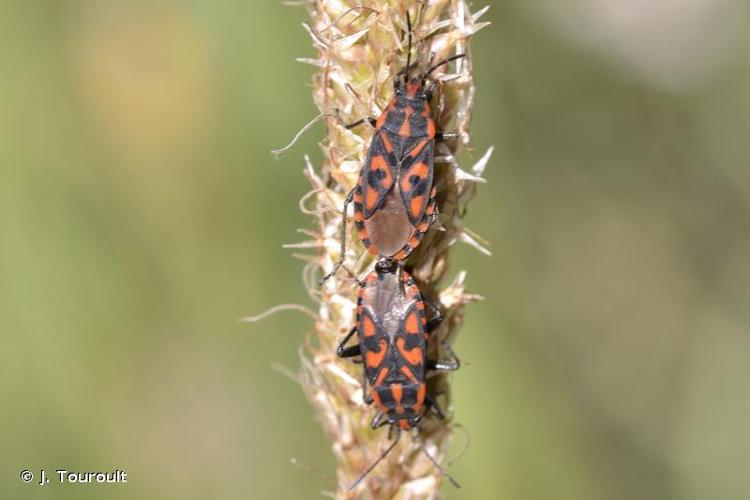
[[351, 351], [352, 125]]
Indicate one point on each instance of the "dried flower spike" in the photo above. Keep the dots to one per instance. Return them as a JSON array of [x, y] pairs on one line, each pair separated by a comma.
[[360, 49]]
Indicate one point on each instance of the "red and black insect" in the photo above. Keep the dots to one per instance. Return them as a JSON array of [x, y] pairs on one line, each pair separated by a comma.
[[393, 332], [394, 199]]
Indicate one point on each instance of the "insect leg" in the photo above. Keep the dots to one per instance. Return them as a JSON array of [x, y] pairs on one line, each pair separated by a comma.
[[432, 217], [446, 136], [342, 254], [352, 125], [351, 351], [378, 420], [437, 318], [431, 403], [451, 364]]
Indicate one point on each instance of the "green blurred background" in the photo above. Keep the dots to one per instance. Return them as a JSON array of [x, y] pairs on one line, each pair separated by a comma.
[[141, 215]]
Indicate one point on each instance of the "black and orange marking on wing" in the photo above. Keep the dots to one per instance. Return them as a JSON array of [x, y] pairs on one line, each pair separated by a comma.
[[373, 358], [421, 394], [368, 325], [409, 374], [413, 356], [411, 325], [359, 220], [394, 205], [416, 181], [401, 153], [377, 175], [421, 229]]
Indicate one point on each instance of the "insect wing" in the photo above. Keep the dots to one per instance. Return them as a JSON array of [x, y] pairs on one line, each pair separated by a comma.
[[377, 174], [416, 179]]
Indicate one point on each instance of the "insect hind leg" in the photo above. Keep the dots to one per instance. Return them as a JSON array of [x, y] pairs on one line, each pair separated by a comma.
[[446, 136], [430, 403], [451, 364]]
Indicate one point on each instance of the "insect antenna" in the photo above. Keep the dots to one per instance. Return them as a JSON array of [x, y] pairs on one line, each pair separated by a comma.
[[376, 462], [405, 70], [443, 63], [439, 467], [408, 54], [464, 448]]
